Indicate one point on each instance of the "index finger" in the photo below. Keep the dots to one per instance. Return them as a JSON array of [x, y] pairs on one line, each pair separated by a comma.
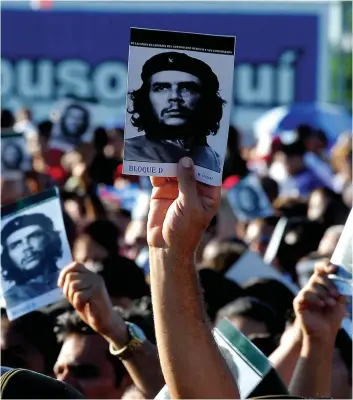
[[73, 267], [323, 267]]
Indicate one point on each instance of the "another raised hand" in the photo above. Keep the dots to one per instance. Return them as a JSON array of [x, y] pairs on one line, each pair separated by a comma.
[[319, 310], [87, 292]]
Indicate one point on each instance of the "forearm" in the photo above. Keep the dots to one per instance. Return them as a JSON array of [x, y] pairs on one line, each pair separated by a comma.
[[312, 375], [192, 364], [143, 366], [285, 358]]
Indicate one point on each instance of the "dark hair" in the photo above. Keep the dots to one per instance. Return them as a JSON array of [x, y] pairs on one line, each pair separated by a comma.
[[227, 254], [45, 129], [70, 323], [206, 123], [274, 293], [266, 343], [38, 329], [105, 233], [53, 252], [217, 291], [100, 138], [336, 212], [7, 119], [234, 164], [270, 187], [84, 126], [123, 278], [253, 308]]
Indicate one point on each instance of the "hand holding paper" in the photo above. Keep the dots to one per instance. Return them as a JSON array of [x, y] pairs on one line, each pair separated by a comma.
[[180, 210], [86, 291], [319, 307]]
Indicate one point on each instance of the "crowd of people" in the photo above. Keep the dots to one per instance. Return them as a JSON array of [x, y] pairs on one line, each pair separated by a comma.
[[148, 282]]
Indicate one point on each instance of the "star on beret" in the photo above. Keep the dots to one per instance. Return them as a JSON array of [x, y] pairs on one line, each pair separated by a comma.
[[171, 60]]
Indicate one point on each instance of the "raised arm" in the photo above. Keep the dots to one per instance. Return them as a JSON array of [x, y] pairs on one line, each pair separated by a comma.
[[87, 293], [284, 359], [319, 310], [180, 211]]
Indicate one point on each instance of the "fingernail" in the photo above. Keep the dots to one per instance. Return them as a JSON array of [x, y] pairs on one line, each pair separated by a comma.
[[186, 162]]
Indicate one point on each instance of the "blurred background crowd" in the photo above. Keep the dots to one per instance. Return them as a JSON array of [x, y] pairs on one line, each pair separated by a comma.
[[303, 158]]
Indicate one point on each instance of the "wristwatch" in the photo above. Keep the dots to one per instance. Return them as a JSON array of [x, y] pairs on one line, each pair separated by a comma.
[[136, 338]]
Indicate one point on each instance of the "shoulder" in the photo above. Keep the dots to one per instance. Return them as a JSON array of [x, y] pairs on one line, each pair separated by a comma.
[[15, 295], [211, 159], [138, 140]]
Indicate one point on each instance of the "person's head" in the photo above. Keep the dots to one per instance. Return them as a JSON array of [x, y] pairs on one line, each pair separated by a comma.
[[329, 241], [77, 162], [314, 140], [234, 164], [98, 240], [124, 280], [115, 145], [75, 121], [217, 291], [179, 97], [251, 316], [30, 244], [327, 207], [7, 119], [23, 114], [135, 238], [259, 233], [275, 294], [29, 342], [220, 255], [40, 143], [291, 155], [13, 188], [85, 363]]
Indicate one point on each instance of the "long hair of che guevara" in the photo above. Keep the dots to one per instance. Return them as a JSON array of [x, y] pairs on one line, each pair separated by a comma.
[[210, 115], [53, 252]]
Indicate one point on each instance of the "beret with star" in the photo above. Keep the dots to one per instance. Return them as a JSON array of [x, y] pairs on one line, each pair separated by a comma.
[[26, 220], [173, 61]]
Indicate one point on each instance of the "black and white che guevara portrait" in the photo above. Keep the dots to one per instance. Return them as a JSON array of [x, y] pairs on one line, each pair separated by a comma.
[[31, 248], [74, 122], [178, 106]]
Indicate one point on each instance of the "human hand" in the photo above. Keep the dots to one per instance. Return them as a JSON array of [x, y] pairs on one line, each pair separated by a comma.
[[180, 210], [319, 307], [87, 293]]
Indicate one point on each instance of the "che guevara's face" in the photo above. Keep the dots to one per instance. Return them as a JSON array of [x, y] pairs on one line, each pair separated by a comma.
[[26, 247], [74, 120], [174, 96]]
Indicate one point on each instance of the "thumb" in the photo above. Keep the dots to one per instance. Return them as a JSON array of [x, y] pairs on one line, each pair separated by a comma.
[[186, 180]]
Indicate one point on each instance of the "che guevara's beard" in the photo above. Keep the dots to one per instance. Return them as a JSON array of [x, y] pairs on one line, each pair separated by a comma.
[[45, 265], [188, 131]]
